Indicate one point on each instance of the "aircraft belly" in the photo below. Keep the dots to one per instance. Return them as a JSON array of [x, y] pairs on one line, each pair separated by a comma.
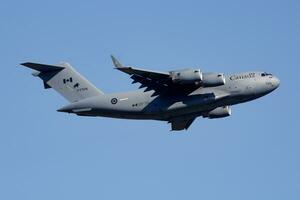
[[168, 107]]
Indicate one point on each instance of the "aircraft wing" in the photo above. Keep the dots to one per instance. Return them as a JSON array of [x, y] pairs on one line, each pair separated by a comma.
[[151, 80], [140, 72], [181, 124]]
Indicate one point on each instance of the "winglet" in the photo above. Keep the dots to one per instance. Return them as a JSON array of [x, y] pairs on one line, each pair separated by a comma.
[[116, 63]]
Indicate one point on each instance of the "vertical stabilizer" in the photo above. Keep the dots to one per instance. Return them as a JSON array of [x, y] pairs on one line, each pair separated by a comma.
[[64, 79]]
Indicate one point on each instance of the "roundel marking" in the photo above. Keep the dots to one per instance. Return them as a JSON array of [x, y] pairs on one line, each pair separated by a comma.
[[114, 100]]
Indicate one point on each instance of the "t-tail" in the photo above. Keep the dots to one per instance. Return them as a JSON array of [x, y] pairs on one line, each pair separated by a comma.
[[64, 79]]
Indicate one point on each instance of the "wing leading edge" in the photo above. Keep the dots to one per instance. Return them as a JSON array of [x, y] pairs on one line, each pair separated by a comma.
[[151, 80]]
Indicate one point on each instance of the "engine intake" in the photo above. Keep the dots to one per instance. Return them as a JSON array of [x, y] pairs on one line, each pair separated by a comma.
[[219, 112]]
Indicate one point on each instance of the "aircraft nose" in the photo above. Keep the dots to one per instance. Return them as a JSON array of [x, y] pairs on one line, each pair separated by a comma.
[[276, 82]]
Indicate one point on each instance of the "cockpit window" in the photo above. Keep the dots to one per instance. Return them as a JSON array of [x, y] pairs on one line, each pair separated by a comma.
[[266, 74]]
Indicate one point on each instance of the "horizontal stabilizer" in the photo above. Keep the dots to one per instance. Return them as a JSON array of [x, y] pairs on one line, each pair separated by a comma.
[[42, 67]]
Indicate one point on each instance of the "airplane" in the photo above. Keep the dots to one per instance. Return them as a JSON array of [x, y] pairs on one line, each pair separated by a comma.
[[177, 97]]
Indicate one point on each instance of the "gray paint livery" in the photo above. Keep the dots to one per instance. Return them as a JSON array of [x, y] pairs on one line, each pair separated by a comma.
[[202, 94]]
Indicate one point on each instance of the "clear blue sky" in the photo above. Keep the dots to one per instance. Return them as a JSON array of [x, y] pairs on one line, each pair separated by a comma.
[[47, 155]]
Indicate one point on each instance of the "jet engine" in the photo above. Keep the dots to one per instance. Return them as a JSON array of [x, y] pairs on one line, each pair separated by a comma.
[[195, 76], [186, 76], [213, 79], [219, 112]]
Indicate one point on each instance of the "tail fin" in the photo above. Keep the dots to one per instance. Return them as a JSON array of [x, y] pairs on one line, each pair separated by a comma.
[[65, 80]]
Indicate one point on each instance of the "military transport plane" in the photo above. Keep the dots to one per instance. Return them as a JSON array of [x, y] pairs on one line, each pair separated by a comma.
[[178, 96]]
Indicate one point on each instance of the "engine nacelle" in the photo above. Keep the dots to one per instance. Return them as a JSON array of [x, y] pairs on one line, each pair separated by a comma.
[[219, 112], [186, 76], [213, 79]]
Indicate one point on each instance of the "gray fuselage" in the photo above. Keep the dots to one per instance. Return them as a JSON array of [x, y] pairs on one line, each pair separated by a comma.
[[139, 104]]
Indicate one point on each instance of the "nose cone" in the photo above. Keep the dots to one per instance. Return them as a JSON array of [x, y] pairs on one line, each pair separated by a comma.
[[276, 82]]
